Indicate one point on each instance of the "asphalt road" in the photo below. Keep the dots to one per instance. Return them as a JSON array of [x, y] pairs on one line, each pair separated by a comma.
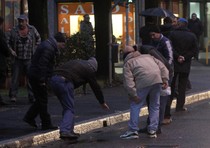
[[188, 130]]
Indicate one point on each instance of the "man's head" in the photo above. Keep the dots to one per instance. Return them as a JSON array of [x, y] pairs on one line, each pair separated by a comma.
[[128, 49], [86, 17], [155, 33], [61, 40], [194, 16], [182, 22], [175, 21], [22, 21], [167, 20]]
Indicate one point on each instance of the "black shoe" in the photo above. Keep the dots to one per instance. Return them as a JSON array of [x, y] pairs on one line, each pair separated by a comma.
[[71, 135], [30, 122], [143, 130], [49, 127], [181, 109]]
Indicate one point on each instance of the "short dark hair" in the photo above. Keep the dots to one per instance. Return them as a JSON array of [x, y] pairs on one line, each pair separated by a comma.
[[60, 37], [167, 20], [154, 28]]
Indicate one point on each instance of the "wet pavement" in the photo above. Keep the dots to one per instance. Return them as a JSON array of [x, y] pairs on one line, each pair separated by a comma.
[[86, 106], [188, 130]]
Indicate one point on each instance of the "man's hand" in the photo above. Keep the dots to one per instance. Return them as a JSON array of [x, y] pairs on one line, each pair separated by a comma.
[[181, 59], [135, 99], [105, 106], [165, 85], [13, 52]]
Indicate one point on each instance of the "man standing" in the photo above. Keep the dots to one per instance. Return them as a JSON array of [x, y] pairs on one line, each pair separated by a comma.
[[40, 71], [196, 26], [185, 45], [68, 77], [22, 40], [4, 52], [143, 75]]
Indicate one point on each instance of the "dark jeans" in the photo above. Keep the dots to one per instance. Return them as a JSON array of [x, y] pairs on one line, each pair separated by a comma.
[[64, 90], [19, 67], [182, 84], [39, 107]]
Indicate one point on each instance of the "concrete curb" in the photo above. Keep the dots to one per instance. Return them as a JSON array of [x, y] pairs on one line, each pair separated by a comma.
[[88, 125]]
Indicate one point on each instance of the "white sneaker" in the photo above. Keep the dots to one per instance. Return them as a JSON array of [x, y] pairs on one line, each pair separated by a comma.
[[152, 134], [130, 135]]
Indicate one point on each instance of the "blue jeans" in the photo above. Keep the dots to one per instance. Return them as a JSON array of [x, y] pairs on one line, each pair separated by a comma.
[[154, 99], [19, 67], [64, 90]]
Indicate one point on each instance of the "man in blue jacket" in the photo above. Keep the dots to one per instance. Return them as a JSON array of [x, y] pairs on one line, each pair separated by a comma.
[[66, 78], [40, 71]]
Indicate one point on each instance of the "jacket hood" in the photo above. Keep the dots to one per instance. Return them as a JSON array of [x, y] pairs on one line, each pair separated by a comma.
[[92, 61], [132, 55]]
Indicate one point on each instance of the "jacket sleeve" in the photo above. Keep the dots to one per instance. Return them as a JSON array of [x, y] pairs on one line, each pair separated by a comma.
[[96, 89], [46, 57], [164, 71], [128, 81]]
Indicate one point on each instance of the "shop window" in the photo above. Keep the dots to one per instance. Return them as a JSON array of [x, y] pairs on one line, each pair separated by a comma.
[[195, 8], [70, 15]]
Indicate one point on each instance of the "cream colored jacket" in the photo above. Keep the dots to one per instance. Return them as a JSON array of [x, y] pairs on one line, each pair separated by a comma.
[[142, 70]]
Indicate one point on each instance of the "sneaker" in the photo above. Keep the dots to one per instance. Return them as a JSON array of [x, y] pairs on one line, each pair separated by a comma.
[[167, 121], [71, 135], [152, 134], [13, 99], [130, 135]]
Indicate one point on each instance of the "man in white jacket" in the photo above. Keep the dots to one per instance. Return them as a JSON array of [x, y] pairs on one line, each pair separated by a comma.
[[143, 75]]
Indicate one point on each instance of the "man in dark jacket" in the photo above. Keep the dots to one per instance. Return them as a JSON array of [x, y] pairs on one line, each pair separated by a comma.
[[66, 78], [195, 26], [40, 71], [4, 52], [185, 46]]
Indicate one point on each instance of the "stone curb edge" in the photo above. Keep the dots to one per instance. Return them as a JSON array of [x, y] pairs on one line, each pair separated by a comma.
[[88, 125]]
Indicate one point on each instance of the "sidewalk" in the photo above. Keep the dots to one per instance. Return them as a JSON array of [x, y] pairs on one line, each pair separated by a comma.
[[89, 116]]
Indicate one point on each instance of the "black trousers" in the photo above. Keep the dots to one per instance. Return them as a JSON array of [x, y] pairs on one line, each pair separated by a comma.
[[182, 84], [39, 107]]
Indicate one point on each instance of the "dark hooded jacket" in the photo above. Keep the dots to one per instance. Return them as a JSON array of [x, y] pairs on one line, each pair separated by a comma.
[[80, 72], [43, 61]]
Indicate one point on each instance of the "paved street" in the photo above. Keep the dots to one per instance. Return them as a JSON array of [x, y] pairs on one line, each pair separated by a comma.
[[188, 130], [12, 128]]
